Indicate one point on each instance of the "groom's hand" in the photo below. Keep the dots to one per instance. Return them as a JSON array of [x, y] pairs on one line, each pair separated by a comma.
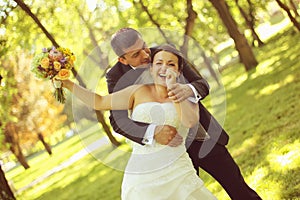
[[179, 92], [167, 135]]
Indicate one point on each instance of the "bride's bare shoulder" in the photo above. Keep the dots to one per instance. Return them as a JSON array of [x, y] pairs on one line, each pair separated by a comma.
[[136, 90], [141, 87]]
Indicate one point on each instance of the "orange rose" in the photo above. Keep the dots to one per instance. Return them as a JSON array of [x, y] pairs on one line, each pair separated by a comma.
[[63, 74], [45, 63]]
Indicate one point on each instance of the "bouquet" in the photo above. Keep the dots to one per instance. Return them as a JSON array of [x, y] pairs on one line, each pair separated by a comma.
[[54, 64]]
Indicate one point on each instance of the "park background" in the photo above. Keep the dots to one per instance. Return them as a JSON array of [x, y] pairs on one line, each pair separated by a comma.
[[248, 50]]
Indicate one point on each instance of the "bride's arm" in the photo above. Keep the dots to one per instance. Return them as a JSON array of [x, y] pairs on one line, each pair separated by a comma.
[[121, 100], [187, 111]]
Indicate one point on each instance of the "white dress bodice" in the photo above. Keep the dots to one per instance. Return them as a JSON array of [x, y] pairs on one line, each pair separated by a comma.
[[156, 156]]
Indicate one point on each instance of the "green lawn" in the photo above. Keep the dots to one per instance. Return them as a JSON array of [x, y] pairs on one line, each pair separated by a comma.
[[262, 119]]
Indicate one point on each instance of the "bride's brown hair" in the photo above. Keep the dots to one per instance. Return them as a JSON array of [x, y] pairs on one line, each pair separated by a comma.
[[171, 49]]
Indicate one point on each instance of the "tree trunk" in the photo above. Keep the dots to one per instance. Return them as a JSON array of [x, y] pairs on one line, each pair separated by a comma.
[[75, 74], [210, 68], [145, 9], [99, 58], [287, 10], [106, 128], [294, 8], [5, 191], [16, 150], [36, 20], [189, 26], [245, 52], [207, 62], [11, 137], [250, 21], [252, 24], [46, 145]]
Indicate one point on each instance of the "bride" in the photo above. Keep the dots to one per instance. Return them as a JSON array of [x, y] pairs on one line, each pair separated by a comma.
[[154, 171]]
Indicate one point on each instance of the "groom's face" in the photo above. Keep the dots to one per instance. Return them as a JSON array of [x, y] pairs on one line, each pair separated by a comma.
[[137, 55]]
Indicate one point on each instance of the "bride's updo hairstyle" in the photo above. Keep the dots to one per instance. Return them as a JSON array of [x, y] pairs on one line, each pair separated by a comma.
[[171, 49]]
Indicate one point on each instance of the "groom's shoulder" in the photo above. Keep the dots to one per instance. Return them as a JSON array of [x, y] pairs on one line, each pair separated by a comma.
[[116, 69]]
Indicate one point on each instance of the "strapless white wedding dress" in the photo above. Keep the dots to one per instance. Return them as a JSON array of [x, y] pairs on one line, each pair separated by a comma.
[[160, 172]]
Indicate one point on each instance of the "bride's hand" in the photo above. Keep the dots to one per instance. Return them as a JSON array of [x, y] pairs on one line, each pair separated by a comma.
[[171, 76], [177, 92], [57, 83]]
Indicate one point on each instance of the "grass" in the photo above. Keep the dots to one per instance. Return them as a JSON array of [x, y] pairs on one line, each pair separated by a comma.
[[262, 119]]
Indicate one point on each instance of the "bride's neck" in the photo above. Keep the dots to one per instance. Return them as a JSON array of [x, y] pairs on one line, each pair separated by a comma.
[[161, 92]]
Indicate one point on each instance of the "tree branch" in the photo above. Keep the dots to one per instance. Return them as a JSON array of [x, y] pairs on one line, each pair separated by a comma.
[[189, 26], [103, 62], [145, 9], [37, 21]]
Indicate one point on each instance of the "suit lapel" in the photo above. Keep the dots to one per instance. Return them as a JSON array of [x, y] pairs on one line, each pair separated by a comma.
[[128, 76]]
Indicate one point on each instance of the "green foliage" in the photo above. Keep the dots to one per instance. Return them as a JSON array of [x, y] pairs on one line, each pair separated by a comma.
[[36, 62], [261, 113], [3, 46], [262, 121], [7, 91]]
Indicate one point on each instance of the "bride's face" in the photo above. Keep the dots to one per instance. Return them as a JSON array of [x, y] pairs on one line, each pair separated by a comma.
[[162, 61]]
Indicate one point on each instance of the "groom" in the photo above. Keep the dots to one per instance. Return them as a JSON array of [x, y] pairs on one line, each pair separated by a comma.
[[206, 151]]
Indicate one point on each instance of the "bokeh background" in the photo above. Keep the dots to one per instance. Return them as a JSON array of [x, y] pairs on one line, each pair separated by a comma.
[[248, 50]]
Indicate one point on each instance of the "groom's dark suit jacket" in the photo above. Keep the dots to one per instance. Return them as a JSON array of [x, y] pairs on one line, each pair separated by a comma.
[[121, 76]]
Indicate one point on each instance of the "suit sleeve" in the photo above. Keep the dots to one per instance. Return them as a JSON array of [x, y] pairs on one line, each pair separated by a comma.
[[119, 119], [200, 84]]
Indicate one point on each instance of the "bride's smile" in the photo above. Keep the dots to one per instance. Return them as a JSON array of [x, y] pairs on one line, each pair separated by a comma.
[[162, 62]]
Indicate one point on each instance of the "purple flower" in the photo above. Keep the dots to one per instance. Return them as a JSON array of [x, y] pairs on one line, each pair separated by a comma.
[[63, 60], [44, 50]]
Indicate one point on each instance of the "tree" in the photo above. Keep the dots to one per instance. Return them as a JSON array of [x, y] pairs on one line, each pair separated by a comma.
[[5, 9], [6, 93], [250, 21], [101, 60], [189, 26], [12, 138], [75, 74], [32, 109], [46, 145], [5, 191], [245, 52], [49, 36], [7, 96], [288, 11], [294, 8], [145, 9]]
